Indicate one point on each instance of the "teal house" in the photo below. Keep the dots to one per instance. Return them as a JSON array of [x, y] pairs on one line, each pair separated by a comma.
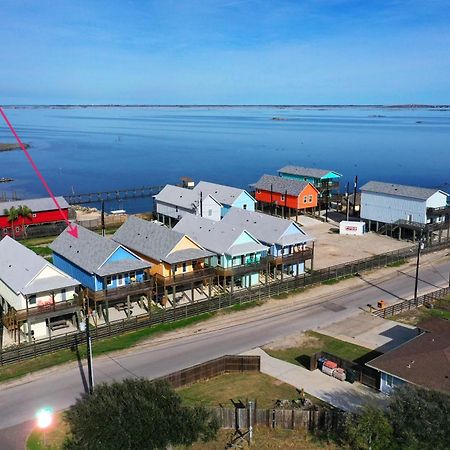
[[239, 256], [322, 179], [227, 196]]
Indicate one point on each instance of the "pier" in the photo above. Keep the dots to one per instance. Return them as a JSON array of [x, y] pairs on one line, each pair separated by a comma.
[[118, 194]]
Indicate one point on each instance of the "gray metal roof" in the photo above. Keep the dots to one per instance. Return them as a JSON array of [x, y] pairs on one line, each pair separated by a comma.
[[19, 266], [306, 171], [152, 240], [223, 194], [400, 190], [35, 204], [219, 237], [178, 196], [281, 185], [267, 229], [89, 251]]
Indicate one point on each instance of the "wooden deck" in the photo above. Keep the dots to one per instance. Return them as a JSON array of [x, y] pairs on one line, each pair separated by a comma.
[[186, 278], [293, 258], [241, 270], [121, 293]]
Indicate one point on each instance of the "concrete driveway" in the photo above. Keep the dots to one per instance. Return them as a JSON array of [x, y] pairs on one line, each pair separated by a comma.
[[343, 395]]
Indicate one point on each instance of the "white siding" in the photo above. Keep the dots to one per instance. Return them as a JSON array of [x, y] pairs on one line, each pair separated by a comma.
[[389, 208], [13, 299], [437, 200], [211, 209]]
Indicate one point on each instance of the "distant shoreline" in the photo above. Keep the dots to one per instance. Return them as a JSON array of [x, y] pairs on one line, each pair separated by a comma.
[[443, 107], [11, 147]]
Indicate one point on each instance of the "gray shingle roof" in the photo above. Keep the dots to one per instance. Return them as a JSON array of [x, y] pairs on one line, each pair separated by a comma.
[[90, 251], [20, 265], [281, 185], [219, 237], [267, 229], [306, 171], [400, 190], [152, 240], [223, 194], [35, 204], [178, 196]]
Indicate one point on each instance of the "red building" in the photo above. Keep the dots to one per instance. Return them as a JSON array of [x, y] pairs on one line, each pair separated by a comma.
[[43, 211], [286, 192]]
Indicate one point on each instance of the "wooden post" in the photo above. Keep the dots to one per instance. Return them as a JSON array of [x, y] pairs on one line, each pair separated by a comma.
[[192, 292]]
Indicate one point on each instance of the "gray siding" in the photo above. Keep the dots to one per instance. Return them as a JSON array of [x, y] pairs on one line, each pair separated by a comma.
[[172, 211], [388, 208]]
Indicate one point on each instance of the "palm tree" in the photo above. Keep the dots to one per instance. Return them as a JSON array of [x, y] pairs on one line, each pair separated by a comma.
[[26, 213], [13, 215]]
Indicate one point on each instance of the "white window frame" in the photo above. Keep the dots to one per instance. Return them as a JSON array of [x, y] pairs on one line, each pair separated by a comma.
[[120, 280]]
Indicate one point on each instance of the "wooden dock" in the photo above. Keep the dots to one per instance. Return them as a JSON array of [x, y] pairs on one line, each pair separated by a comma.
[[120, 194]]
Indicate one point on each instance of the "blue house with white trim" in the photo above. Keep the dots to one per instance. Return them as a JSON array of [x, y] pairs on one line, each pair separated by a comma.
[[227, 196], [322, 179], [107, 269]]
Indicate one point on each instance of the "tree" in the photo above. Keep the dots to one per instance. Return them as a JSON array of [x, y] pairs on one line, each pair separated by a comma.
[[369, 430], [13, 215], [420, 418], [136, 414], [25, 213]]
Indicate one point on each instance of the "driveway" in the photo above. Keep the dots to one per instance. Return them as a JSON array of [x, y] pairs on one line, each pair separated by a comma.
[[343, 395]]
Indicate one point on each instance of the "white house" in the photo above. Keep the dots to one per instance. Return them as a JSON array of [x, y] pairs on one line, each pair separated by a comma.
[[33, 292], [389, 203], [175, 202]]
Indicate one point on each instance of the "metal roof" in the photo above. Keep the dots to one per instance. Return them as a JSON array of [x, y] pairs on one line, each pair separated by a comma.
[[281, 185], [90, 251], [35, 204], [400, 190], [152, 240], [306, 171], [218, 237], [19, 266], [267, 229], [221, 193]]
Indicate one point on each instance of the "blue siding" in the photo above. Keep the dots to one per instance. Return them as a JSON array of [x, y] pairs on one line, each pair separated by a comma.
[[121, 254], [85, 278], [245, 199], [126, 277]]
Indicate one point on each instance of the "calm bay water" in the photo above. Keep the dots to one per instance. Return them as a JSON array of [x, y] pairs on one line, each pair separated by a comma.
[[97, 149]]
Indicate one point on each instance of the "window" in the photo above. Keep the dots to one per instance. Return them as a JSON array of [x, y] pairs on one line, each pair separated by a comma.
[[32, 300], [133, 277], [305, 199], [389, 380], [210, 212], [176, 208], [310, 199], [175, 268], [282, 197], [184, 267], [244, 206], [63, 295], [109, 281]]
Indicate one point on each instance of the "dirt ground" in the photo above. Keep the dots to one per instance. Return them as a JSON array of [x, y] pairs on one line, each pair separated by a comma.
[[331, 248], [293, 340]]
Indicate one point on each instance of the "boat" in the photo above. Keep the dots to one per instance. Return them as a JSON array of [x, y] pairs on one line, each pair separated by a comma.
[[6, 180]]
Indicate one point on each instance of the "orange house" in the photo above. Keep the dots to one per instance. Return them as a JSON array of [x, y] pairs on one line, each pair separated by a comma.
[[286, 192]]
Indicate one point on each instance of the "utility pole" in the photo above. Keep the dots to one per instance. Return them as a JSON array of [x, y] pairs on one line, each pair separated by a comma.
[[355, 187], [103, 218], [419, 248], [89, 350], [327, 194], [348, 200]]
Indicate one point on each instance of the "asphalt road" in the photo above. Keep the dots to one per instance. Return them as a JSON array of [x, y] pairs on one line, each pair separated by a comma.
[[59, 387]]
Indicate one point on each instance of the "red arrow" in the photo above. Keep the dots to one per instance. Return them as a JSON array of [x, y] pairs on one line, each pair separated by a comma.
[[73, 230]]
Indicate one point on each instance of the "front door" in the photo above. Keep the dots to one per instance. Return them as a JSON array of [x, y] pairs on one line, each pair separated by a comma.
[[120, 280]]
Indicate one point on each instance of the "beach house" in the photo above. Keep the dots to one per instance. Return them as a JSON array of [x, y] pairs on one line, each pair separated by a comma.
[[16, 217], [108, 272], [322, 179], [239, 256], [176, 261], [287, 193], [174, 202], [36, 297], [289, 246], [397, 209], [227, 196]]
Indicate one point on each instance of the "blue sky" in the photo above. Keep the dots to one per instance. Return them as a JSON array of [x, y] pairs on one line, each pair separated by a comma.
[[225, 51]]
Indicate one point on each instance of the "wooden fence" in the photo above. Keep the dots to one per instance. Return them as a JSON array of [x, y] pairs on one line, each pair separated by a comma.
[[313, 420], [213, 368], [407, 305], [276, 288]]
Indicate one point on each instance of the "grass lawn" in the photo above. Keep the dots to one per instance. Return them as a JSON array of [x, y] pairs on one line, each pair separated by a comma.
[[315, 342], [441, 309], [220, 390], [41, 250], [54, 436]]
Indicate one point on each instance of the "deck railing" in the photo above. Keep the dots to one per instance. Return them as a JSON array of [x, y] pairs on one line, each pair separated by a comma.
[[132, 289], [188, 277], [292, 258], [242, 269]]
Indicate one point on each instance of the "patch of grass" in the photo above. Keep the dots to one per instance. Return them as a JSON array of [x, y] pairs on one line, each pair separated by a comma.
[[44, 250], [53, 438], [221, 390], [441, 309], [244, 306], [398, 263], [337, 280], [100, 347], [321, 343], [31, 242]]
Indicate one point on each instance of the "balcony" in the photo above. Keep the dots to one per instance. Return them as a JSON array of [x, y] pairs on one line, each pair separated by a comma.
[[185, 278], [323, 185], [38, 313], [120, 293], [244, 269], [293, 258], [436, 212]]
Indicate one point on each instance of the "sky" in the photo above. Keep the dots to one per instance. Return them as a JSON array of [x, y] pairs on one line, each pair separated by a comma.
[[225, 52]]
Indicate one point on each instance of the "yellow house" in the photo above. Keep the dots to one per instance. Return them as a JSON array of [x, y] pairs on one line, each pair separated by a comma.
[[175, 259]]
